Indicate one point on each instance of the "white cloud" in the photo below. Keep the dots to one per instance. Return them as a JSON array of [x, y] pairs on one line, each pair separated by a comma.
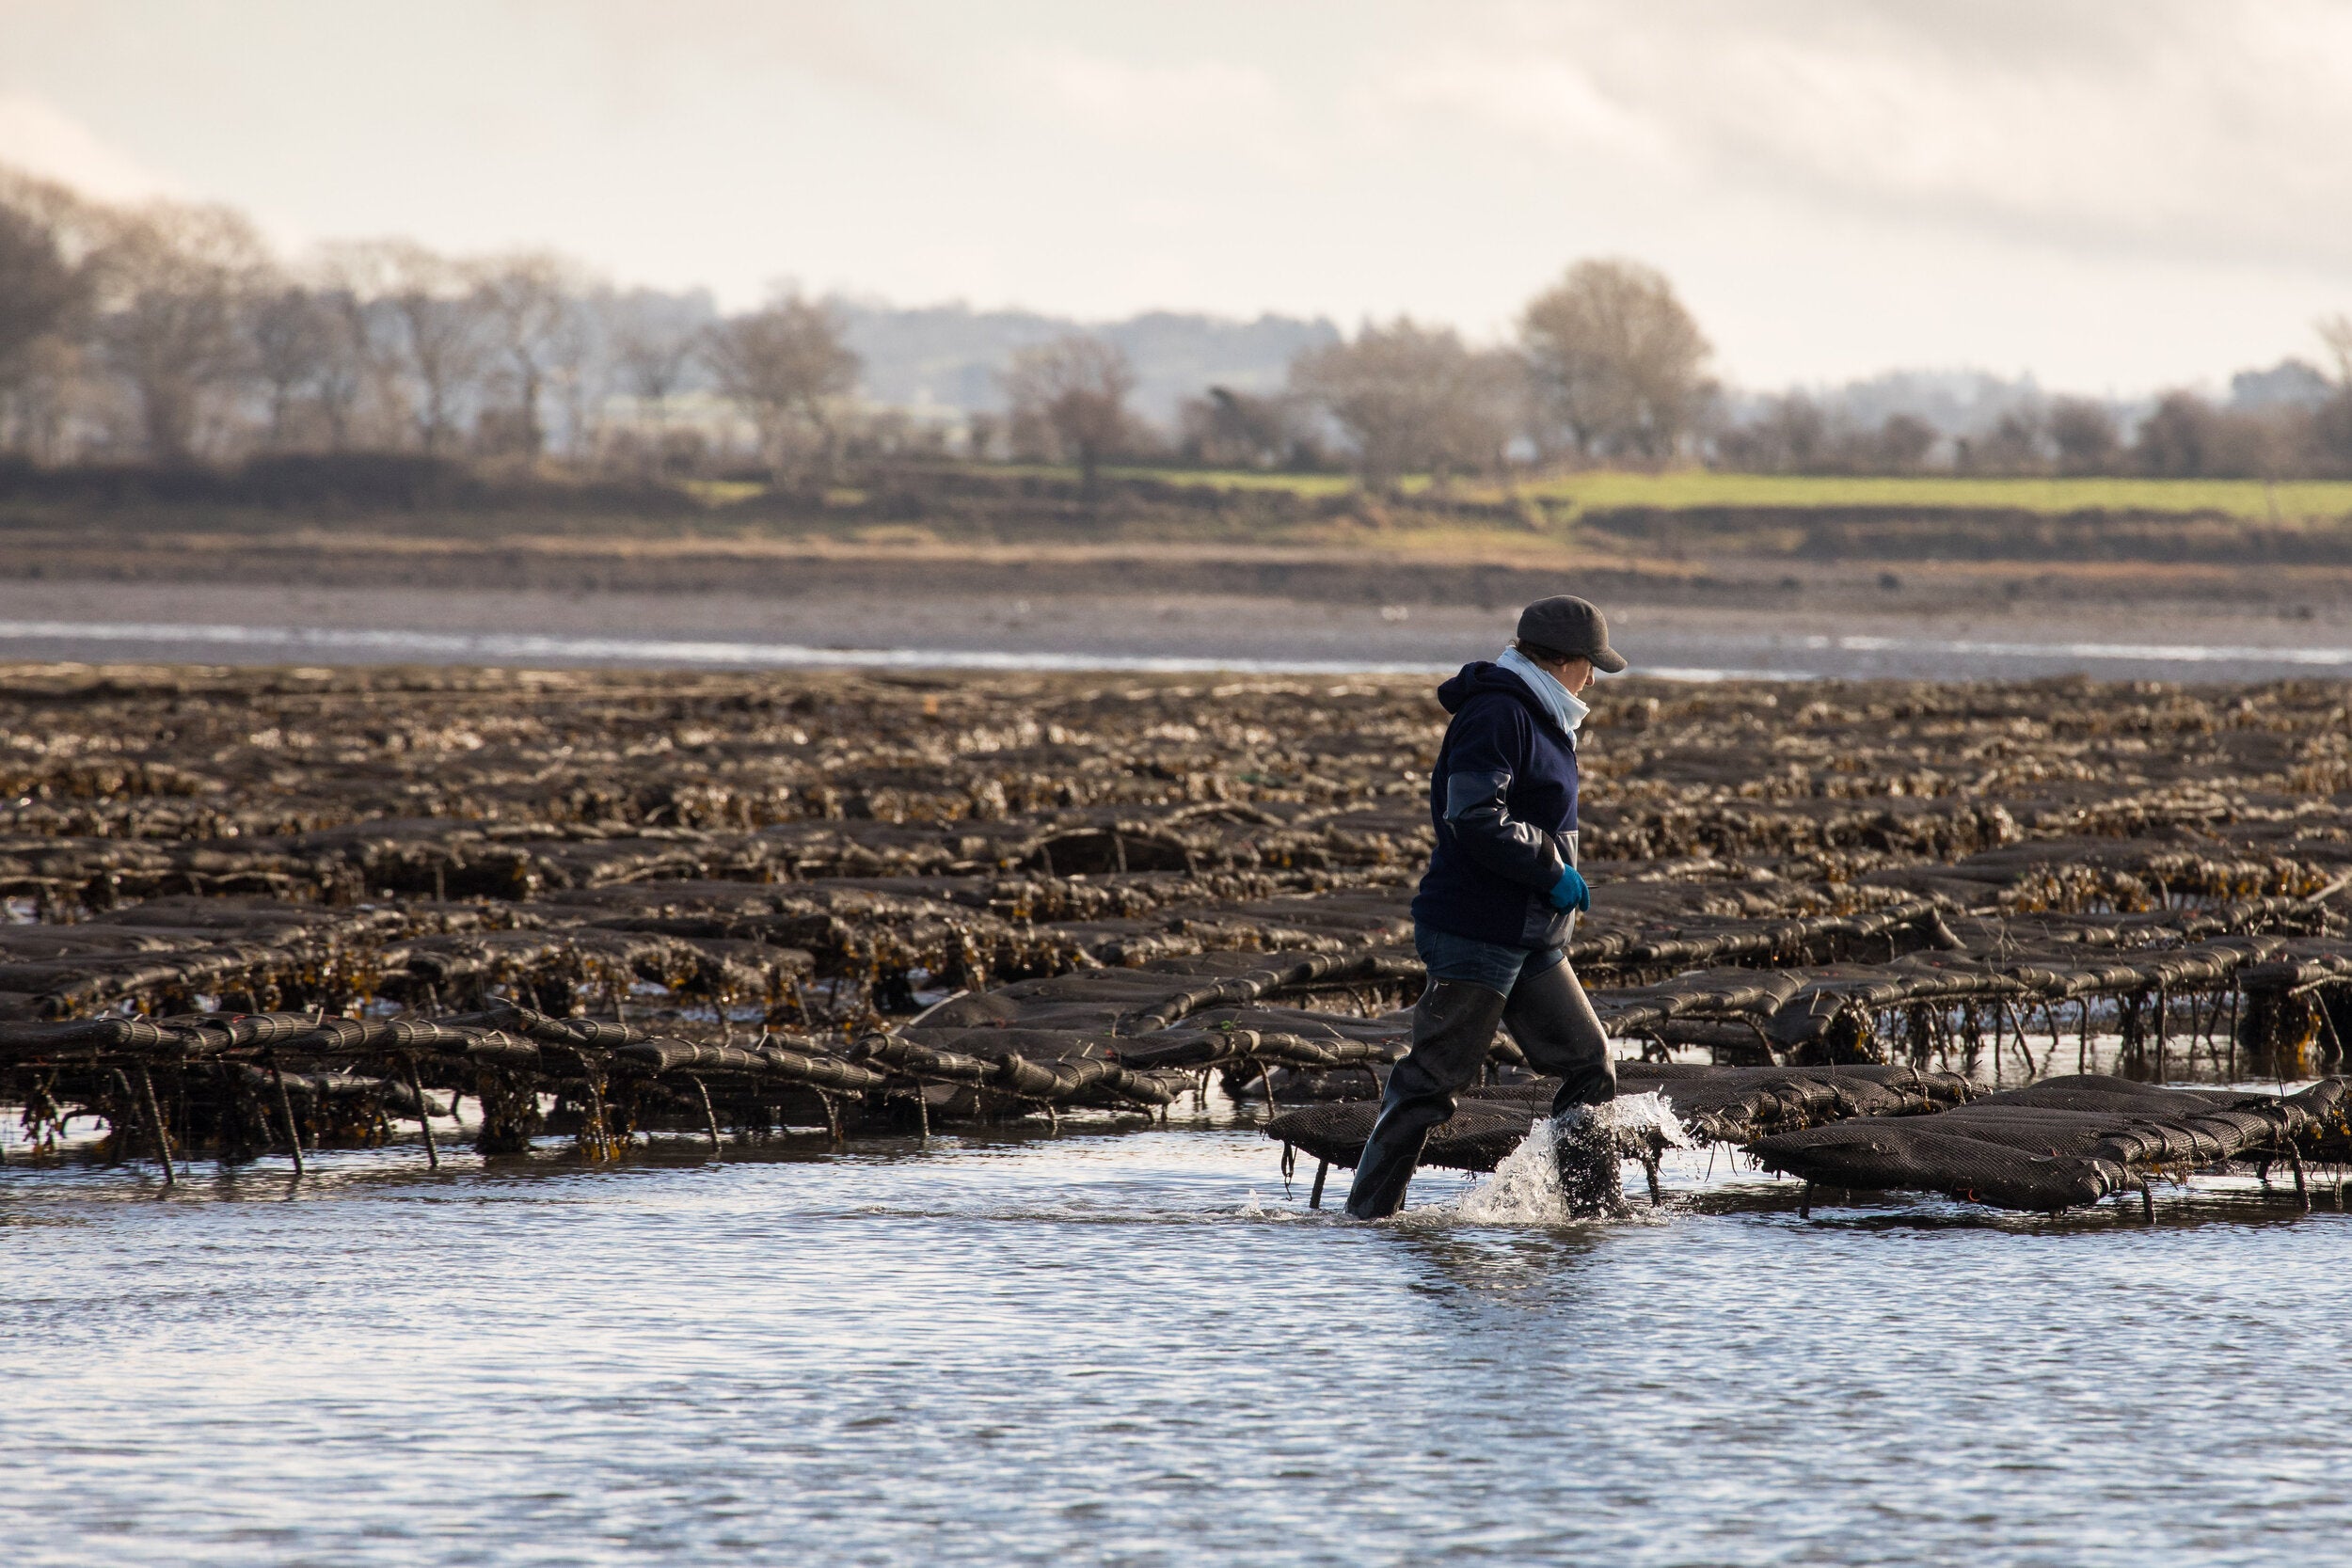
[[2164, 126], [1153, 100], [2112, 193], [650, 50], [1553, 103], [1205, 107], [37, 139]]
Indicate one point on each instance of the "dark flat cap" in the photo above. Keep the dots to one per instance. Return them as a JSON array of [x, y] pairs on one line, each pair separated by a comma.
[[1567, 625]]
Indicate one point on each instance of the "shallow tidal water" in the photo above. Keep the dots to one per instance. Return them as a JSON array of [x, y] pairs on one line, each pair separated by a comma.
[[1135, 1347], [1134, 635]]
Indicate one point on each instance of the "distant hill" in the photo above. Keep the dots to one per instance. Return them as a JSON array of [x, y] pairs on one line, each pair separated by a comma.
[[947, 357]]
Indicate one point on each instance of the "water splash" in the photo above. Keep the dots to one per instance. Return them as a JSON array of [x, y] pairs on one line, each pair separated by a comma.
[[1639, 1122], [1524, 1189], [1257, 1209]]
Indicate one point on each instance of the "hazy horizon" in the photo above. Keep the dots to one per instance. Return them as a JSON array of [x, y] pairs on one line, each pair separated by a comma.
[[2107, 200]]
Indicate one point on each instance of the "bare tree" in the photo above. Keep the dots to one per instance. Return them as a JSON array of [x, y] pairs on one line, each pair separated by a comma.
[[1792, 434], [1076, 388], [580, 373], [2085, 437], [1227, 428], [2187, 436], [2177, 439], [1410, 397], [653, 342], [1788, 434], [170, 289], [1494, 407], [2336, 332], [38, 288], [348, 367], [654, 351], [981, 430], [295, 339], [530, 304], [784, 365], [47, 386], [368, 393], [1902, 444], [47, 235], [443, 339], [2015, 444], [440, 338], [2329, 440], [1621, 365], [42, 294]]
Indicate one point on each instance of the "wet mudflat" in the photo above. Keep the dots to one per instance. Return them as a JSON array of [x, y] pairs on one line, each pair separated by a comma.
[[1137, 1348]]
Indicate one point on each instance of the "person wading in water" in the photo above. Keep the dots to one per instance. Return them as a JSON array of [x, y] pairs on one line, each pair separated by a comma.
[[1496, 909]]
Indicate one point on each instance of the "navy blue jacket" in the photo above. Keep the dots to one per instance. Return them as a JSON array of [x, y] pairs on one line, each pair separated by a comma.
[[1504, 799]]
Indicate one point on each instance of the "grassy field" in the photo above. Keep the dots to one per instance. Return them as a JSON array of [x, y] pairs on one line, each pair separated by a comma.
[[1567, 495]]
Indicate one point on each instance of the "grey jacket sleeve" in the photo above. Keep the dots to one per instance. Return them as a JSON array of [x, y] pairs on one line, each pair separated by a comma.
[[1477, 815]]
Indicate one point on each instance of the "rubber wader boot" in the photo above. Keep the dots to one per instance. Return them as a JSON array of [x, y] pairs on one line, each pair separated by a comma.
[[1453, 1028], [1583, 1148], [1560, 1034]]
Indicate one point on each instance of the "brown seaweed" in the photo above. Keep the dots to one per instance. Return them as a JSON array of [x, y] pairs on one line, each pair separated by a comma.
[[291, 903]]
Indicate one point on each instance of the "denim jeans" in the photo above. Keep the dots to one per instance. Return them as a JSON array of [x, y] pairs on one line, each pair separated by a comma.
[[1491, 964]]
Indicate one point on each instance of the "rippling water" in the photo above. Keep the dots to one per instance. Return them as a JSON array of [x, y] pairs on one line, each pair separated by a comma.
[[1135, 1348]]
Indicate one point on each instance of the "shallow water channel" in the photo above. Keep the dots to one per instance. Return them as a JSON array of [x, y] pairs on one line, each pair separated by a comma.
[[1135, 1347]]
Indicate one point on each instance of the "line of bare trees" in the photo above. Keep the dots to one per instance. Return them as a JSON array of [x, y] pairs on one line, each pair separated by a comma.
[[2185, 436], [1609, 367], [169, 332]]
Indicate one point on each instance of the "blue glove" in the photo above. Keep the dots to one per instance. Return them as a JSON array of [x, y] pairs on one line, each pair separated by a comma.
[[1570, 892]]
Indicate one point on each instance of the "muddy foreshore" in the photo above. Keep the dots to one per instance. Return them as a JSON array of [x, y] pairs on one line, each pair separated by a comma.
[[749, 609]]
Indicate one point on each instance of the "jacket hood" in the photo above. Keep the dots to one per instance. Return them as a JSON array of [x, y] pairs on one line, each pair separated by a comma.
[[1481, 677]]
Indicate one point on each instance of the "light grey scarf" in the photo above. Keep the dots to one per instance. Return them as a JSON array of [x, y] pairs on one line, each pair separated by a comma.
[[1566, 708]]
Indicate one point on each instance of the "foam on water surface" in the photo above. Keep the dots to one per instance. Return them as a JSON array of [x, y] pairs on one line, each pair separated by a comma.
[[1524, 1189]]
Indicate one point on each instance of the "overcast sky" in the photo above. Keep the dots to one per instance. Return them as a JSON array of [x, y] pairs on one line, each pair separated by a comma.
[[2113, 195]]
